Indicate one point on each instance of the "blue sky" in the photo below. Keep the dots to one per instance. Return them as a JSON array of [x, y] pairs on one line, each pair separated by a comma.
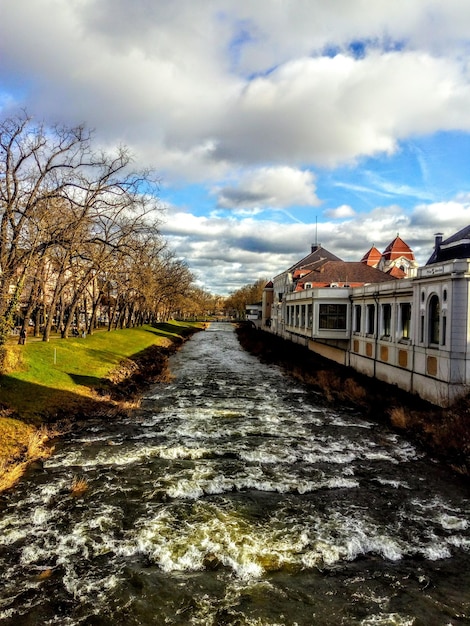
[[423, 169], [269, 123]]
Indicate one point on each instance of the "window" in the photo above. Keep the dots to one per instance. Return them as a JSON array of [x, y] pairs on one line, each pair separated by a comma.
[[405, 319], [370, 319], [357, 318], [332, 316], [290, 315], [386, 320], [434, 318], [310, 316]]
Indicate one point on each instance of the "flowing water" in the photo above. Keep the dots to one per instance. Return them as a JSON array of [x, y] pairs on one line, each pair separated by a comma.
[[236, 496]]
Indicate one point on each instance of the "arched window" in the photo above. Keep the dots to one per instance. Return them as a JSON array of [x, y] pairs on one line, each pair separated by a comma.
[[434, 319]]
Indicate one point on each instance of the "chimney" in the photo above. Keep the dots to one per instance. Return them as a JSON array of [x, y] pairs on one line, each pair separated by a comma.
[[437, 241], [315, 247]]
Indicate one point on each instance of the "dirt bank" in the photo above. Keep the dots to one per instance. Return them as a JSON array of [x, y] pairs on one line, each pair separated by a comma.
[[443, 433]]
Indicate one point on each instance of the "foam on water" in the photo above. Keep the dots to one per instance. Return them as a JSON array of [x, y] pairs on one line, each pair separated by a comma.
[[129, 456], [396, 484], [212, 536], [388, 619], [452, 522]]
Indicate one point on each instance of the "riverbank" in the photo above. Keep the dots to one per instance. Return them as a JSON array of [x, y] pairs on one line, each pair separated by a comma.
[[443, 433], [48, 388]]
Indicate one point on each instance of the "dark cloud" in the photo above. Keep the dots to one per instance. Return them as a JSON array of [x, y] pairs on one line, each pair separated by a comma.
[[233, 198]]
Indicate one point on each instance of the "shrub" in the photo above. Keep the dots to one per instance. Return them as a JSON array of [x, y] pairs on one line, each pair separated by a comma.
[[10, 359], [399, 417], [10, 473], [79, 486], [37, 443]]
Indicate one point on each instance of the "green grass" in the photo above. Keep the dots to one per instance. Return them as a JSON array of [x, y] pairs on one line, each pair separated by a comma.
[[63, 372]]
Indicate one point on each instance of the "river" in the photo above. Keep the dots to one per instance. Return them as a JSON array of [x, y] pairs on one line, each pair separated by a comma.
[[236, 496]]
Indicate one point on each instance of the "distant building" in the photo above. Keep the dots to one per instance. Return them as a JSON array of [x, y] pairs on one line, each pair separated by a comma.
[[266, 305], [385, 317], [397, 260], [253, 313], [319, 269], [455, 247]]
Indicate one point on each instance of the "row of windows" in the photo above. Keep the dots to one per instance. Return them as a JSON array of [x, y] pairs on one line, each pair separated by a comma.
[[300, 315], [330, 316], [432, 324], [385, 322], [373, 319]]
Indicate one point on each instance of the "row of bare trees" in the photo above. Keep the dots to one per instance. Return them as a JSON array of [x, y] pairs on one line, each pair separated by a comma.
[[248, 294], [198, 303], [79, 234]]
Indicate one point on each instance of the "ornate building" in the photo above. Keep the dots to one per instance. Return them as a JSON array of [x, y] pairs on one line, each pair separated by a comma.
[[413, 332], [397, 260]]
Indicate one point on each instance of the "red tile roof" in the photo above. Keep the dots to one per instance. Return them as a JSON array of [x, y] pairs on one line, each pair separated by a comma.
[[396, 272], [396, 249], [372, 257], [344, 272]]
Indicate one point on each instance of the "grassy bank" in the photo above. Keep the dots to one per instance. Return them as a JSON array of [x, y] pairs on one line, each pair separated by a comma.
[[443, 433], [45, 385]]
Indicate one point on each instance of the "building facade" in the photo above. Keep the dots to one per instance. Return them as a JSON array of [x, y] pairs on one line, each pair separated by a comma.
[[413, 332]]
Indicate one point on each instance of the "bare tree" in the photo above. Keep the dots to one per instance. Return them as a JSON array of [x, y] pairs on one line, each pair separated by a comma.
[[67, 206], [248, 294], [35, 168]]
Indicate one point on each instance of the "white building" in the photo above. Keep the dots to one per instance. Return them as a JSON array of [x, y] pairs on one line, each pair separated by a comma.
[[253, 313], [411, 332]]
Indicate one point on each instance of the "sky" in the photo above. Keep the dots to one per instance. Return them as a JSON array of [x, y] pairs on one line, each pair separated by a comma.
[[271, 124]]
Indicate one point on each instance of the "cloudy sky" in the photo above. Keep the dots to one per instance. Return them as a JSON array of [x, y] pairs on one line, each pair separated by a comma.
[[271, 124]]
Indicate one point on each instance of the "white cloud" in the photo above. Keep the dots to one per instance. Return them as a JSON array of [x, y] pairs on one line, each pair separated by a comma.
[[340, 212], [327, 111], [227, 253], [176, 83], [273, 187], [443, 216]]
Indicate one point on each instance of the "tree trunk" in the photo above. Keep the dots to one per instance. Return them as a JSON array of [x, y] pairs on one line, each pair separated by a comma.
[[122, 317], [130, 315], [85, 311], [48, 326], [32, 302], [94, 313], [37, 321]]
